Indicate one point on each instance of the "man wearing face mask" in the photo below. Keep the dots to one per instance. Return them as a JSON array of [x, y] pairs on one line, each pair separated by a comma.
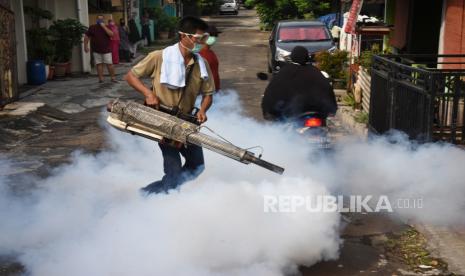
[[210, 56], [99, 36], [178, 75]]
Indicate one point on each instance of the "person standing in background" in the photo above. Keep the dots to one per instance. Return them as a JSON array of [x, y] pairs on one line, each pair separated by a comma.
[[125, 45], [99, 36], [134, 36], [114, 41], [210, 56], [145, 21]]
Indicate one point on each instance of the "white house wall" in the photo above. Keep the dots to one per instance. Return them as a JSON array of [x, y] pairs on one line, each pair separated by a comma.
[[67, 9], [83, 16], [63, 9]]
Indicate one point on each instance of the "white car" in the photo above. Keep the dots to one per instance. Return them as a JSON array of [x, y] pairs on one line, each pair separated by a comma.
[[229, 6]]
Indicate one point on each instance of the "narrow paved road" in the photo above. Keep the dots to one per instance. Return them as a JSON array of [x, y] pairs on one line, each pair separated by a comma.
[[241, 49]]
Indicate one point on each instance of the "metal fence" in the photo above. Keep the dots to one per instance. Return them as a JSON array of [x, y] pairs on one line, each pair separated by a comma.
[[421, 95]]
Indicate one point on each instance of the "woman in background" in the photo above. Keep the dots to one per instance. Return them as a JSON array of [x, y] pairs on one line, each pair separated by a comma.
[[114, 41]]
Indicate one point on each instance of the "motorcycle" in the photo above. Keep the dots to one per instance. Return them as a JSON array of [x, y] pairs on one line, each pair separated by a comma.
[[312, 125]]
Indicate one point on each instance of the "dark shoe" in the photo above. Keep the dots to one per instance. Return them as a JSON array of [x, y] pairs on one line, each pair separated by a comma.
[[153, 188]]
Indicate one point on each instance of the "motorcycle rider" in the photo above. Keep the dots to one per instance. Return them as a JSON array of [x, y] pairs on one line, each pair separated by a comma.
[[297, 88]]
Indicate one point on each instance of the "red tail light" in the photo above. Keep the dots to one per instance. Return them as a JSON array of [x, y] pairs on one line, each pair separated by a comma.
[[313, 122]]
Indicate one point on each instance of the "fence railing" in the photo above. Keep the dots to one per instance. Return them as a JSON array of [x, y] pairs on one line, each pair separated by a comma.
[[421, 95]]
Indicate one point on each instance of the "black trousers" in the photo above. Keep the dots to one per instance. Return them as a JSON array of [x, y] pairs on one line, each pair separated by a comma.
[[146, 33], [175, 172]]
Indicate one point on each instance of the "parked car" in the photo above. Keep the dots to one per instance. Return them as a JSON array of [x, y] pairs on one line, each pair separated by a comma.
[[313, 35], [229, 6]]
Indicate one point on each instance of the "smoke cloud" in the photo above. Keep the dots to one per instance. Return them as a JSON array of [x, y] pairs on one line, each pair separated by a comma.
[[88, 218], [405, 172]]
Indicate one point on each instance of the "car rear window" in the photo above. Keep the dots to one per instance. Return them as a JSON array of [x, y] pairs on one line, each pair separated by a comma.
[[303, 33]]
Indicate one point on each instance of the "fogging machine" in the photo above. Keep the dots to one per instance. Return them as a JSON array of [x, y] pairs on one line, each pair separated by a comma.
[[168, 123]]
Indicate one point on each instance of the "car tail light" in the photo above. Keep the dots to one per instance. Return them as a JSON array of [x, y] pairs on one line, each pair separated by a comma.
[[313, 122]]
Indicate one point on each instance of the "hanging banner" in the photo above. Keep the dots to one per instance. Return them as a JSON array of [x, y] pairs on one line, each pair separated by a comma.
[[353, 16]]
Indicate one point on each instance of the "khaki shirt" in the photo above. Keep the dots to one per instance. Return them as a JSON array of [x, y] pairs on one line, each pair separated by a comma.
[[150, 66]]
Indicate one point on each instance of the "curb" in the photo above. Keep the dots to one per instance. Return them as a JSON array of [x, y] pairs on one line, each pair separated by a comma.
[[345, 116], [446, 244]]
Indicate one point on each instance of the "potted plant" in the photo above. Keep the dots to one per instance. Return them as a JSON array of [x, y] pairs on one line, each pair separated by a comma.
[[249, 4], [335, 64], [173, 22], [39, 45], [66, 34], [165, 23]]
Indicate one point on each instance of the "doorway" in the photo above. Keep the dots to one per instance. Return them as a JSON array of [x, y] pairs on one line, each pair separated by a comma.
[[424, 27]]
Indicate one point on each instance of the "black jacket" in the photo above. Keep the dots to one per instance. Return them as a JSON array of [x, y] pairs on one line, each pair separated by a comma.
[[296, 89]]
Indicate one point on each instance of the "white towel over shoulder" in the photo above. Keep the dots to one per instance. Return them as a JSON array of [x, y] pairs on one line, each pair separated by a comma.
[[173, 70]]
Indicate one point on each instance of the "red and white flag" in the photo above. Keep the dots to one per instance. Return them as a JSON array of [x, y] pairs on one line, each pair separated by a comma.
[[353, 16]]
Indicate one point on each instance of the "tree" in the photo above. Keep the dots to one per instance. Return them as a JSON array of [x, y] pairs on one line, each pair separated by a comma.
[[201, 7], [208, 7], [271, 11]]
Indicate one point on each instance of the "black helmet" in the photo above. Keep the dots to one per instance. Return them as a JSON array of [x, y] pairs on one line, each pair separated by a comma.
[[212, 30], [300, 55]]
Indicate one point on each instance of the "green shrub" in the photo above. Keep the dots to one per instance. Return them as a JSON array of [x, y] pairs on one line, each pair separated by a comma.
[[249, 4], [349, 100], [333, 63], [270, 11], [39, 40], [164, 22], [201, 7], [366, 57], [66, 34], [40, 45], [361, 117], [208, 7]]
